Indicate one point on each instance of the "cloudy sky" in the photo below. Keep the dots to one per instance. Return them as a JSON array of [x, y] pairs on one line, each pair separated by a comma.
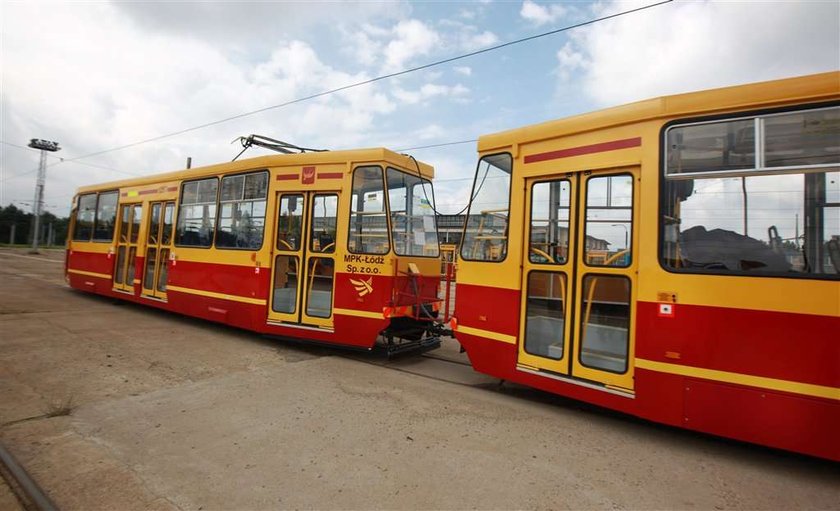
[[95, 76]]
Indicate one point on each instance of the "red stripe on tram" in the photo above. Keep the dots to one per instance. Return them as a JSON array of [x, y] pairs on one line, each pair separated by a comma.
[[585, 149]]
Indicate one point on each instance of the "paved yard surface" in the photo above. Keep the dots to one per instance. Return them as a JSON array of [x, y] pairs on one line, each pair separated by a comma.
[[113, 406]]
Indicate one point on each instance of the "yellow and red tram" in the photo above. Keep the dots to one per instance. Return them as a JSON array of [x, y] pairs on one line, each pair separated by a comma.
[[677, 259], [337, 247]]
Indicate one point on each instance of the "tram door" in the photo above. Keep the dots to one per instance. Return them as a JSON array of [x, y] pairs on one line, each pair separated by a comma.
[[129, 233], [578, 305], [158, 247], [304, 259]]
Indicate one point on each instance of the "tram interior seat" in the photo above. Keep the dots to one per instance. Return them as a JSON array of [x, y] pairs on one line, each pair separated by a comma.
[[284, 299], [604, 347], [319, 303], [544, 336], [722, 249]]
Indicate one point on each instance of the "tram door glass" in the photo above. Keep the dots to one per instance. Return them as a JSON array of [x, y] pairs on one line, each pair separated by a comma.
[[578, 277], [129, 234], [304, 262], [158, 246]]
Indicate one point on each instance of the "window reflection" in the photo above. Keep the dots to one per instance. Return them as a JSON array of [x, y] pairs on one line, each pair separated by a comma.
[[368, 223], [609, 220], [605, 323], [550, 202], [545, 321], [411, 203], [289, 223], [323, 224], [486, 233], [774, 224]]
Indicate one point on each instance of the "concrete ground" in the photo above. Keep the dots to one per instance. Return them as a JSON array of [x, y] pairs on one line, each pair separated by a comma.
[[117, 406], [8, 501]]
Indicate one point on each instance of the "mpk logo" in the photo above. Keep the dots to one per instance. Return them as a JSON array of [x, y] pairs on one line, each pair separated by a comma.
[[363, 287]]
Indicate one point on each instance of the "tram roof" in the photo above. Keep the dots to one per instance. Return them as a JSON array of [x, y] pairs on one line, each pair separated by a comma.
[[811, 88], [350, 156]]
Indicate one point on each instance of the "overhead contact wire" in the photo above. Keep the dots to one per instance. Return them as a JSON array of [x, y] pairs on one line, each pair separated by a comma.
[[375, 79]]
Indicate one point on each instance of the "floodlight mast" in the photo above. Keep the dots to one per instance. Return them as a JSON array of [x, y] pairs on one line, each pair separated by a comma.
[[38, 205]]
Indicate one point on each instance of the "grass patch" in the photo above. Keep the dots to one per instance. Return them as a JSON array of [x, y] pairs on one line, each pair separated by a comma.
[[60, 408]]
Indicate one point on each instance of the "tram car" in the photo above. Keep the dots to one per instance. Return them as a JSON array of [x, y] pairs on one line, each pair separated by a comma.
[[677, 259], [336, 247]]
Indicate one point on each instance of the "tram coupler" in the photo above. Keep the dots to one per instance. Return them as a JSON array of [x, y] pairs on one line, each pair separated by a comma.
[[413, 347]]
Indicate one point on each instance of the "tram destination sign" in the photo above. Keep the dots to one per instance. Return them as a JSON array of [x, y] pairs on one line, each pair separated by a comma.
[[45, 145]]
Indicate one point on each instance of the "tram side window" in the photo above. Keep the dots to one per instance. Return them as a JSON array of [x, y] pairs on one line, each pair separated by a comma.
[[323, 224], [486, 234], [550, 206], [85, 215], [106, 216], [197, 213], [411, 204], [242, 211], [368, 221], [609, 220], [769, 220]]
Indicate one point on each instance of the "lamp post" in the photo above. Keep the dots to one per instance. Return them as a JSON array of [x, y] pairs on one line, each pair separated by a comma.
[[45, 146], [626, 234]]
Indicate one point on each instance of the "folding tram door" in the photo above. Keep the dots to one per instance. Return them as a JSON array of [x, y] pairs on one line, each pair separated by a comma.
[[579, 273], [128, 235], [303, 272], [158, 247]]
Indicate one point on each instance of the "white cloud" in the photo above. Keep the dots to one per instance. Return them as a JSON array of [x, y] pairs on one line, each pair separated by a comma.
[[462, 36], [570, 60], [96, 81], [463, 70], [476, 41], [266, 22], [687, 46], [412, 38], [466, 14], [431, 132], [541, 14], [428, 91], [364, 48]]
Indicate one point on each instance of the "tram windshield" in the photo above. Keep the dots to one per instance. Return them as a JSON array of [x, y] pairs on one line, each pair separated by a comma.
[[486, 235], [410, 208], [411, 202]]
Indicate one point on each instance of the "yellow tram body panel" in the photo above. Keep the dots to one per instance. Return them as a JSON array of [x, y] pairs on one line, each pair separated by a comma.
[[312, 285], [698, 308]]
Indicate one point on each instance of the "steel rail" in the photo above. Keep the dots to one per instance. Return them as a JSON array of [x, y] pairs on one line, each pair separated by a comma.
[[21, 482]]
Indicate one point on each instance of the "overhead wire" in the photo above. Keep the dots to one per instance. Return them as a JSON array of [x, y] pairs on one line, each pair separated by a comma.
[[375, 79], [443, 144], [61, 160], [351, 86]]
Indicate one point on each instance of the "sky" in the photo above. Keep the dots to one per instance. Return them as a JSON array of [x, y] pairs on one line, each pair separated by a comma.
[[95, 76]]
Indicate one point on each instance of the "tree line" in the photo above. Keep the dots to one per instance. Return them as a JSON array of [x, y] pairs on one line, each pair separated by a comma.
[[22, 223]]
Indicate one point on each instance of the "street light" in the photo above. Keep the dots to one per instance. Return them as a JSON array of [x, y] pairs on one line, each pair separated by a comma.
[[45, 146], [626, 234]]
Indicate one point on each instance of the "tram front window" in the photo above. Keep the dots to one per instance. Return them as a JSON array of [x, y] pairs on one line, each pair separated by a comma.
[[412, 208], [486, 235], [368, 233]]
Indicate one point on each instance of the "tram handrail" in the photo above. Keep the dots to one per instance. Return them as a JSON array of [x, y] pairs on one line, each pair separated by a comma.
[[542, 253], [315, 267], [592, 291]]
